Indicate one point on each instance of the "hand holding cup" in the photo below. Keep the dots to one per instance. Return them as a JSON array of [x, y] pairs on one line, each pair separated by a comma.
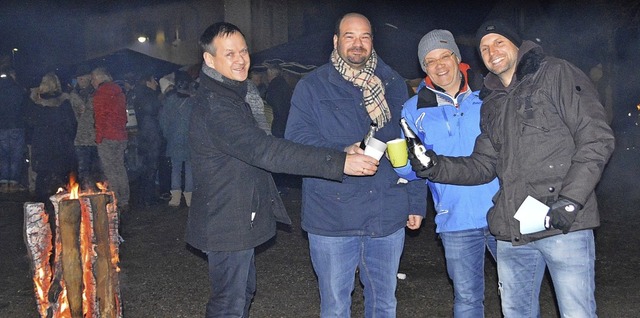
[[375, 148]]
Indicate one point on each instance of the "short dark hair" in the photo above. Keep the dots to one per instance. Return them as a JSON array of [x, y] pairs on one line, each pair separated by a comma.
[[214, 30], [336, 31]]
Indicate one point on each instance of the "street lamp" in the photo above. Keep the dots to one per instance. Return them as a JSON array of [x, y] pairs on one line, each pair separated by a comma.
[[142, 39], [13, 56]]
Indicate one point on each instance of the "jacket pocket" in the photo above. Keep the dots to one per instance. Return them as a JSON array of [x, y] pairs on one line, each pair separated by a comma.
[[337, 116], [545, 189], [533, 119], [498, 224]]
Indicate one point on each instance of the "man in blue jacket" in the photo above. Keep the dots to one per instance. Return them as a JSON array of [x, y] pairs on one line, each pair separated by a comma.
[[358, 223], [445, 115]]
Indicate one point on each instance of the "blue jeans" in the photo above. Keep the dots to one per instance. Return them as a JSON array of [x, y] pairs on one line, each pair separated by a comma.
[[233, 283], [465, 254], [335, 260], [176, 175], [11, 154], [570, 259]]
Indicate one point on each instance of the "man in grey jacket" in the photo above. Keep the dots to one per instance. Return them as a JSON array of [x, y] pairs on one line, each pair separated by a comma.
[[544, 135], [235, 203]]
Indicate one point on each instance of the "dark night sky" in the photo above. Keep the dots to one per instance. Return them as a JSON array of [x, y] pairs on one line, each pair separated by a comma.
[[44, 28]]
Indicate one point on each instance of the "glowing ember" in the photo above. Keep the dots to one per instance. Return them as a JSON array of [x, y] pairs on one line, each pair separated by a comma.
[[38, 237], [88, 257]]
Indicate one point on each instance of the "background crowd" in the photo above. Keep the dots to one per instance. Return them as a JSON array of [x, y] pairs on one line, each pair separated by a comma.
[[130, 132]]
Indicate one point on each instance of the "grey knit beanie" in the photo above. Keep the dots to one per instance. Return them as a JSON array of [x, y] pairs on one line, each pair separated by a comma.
[[436, 39]]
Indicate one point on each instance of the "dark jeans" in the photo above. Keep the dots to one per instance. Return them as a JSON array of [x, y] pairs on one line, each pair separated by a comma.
[[146, 183], [88, 165], [11, 154], [47, 184], [233, 283]]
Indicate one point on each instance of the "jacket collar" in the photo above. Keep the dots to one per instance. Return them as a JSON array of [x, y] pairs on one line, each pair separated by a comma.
[[223, 87], [48, 99], [381, 71], [427, 94], [530, 57]]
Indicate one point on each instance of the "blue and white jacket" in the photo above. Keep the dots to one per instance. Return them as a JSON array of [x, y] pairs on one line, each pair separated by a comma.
[[449, 125]]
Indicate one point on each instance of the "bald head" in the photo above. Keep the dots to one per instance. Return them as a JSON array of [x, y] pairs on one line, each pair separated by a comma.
[[348, 16]]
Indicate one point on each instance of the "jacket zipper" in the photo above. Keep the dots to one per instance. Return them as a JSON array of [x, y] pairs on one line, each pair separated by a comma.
[[536, 127]]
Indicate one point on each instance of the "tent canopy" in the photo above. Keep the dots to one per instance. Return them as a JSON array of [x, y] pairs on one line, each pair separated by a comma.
[[119, 63], [396, 48]]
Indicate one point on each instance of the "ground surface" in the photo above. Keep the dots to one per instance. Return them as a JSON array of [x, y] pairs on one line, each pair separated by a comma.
[[162, 277]]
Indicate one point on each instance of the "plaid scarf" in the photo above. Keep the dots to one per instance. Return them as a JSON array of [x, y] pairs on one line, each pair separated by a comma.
[[371, 85]]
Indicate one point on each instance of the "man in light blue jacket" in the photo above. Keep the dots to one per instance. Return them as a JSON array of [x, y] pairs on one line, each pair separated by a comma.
[[445, 115]]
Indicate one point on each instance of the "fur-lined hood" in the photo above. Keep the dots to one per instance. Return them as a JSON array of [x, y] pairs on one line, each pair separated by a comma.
[[530, 56], [48, 99]]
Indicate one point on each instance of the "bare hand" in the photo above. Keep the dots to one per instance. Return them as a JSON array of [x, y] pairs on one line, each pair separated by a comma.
[[360, 165], [414, 221], [353, 149]]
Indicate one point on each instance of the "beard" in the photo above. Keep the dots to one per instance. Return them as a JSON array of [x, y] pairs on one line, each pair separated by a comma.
[[357, 56]]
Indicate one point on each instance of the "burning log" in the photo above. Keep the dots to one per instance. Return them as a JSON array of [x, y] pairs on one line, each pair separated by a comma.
[[39, 247], [83, 280]]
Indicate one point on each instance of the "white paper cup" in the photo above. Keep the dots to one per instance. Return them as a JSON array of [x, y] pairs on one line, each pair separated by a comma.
[[375, 148]]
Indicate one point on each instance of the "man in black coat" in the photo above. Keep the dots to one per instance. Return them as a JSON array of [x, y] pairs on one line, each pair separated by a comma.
[[147, 106], [235, 204], [278, 96]]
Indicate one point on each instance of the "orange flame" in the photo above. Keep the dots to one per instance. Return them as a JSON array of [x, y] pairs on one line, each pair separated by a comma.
[[73, 187], [102, 186], [63, 310]]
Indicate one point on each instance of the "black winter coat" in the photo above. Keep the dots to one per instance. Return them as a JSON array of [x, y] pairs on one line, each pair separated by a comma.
[[278, 96], [235, 202], [147, 106], [11, 104], [53, 128]]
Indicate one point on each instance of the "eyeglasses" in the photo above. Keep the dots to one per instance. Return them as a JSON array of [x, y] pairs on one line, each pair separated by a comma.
[[446, 58]]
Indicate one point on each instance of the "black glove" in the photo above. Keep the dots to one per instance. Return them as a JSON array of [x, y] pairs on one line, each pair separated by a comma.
[[562, 214], [418, 167]]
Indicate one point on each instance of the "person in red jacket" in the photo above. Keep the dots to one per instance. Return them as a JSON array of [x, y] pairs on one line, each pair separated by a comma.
[[110, 113]]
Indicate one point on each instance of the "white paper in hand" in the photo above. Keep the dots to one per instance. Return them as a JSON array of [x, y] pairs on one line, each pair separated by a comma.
[[531, 215]]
